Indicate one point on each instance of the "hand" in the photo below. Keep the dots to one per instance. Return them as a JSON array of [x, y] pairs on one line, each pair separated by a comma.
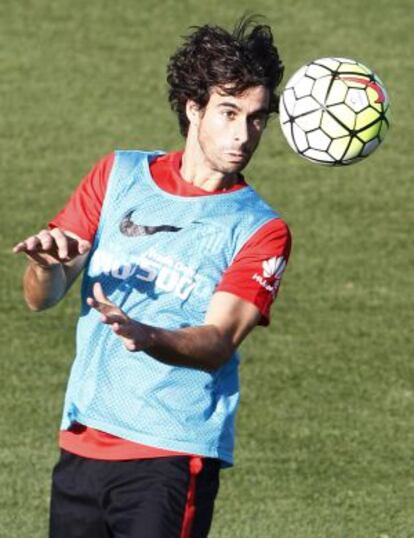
[[51, 247], [134, 335]]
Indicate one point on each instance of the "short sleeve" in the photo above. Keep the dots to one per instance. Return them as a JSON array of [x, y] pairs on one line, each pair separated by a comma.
[[256, 271], [82, 212]]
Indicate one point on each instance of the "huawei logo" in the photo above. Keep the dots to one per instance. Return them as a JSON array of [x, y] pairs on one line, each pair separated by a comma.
[[274, 267], [129, 228], [369, 83]]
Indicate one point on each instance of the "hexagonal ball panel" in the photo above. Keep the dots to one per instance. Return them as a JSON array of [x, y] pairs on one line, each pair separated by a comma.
[[319, 140], [320, 88], [338, 147], [357, 99], [296, 77], [344, 115], [337, 93], [370, 147], [304, 87], [330, 63], [288, 98], [310, 121], [318, 156], [299, 138], [316, 71], [331, 127], [305, 105]]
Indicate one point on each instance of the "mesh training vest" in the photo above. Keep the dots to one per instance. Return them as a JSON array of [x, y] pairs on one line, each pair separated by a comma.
[[159, 257]]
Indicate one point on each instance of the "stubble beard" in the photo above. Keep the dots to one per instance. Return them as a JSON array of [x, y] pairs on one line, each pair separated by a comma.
[[218, 163]]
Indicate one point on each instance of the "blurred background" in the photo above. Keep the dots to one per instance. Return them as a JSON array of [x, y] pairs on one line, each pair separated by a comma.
[[325, 428]]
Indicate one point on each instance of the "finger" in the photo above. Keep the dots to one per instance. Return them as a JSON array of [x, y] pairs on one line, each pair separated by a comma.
[[114, 319], [119, 328], [100, 307], [76, 245], [46, 240], [22, 247], [110, 312], [32, 244], [35, 243], [128, 341], [19, 247], [61, 242], [100, 296], [122, 327], [130, 345], [83, 246], [68, 246], [91, 302]]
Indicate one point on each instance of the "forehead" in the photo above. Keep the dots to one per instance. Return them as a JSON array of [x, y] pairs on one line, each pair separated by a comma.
[[255, 98]]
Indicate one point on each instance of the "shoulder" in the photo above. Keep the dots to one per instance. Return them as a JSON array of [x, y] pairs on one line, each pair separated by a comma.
[[273, 235], [256, 272]]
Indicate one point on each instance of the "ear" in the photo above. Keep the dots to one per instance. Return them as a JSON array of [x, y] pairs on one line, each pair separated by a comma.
[[192, 111]]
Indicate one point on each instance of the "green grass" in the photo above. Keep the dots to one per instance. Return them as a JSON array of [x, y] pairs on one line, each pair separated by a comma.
[[325, 429]]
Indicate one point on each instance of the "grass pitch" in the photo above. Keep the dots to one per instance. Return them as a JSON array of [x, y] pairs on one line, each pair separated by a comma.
[[325, 429]]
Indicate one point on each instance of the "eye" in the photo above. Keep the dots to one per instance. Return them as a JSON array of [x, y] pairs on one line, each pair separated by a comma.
[[230, 114], [259, 122]]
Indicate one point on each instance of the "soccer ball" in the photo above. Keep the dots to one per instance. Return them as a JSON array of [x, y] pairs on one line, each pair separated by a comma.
[[334, 111]]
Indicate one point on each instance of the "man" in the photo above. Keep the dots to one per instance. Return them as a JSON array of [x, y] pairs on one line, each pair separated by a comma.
[[181, 260]]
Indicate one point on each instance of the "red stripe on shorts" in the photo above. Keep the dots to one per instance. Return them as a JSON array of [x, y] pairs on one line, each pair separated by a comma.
[[196, 466]]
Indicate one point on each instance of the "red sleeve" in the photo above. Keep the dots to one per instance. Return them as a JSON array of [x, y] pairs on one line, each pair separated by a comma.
[[256, 271], [82, 212]]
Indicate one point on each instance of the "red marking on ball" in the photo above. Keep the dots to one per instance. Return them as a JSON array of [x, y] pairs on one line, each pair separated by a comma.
[[366, 82]]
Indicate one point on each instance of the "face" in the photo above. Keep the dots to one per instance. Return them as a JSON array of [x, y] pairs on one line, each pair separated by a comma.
[[229, 128]]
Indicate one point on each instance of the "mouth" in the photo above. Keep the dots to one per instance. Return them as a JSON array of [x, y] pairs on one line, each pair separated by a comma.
[[235, 156]]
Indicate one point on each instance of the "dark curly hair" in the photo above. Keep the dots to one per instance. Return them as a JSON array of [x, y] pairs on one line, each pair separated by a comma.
[[234, 62]]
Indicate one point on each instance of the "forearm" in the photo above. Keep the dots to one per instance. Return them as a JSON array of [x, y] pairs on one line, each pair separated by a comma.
[[44, 286], [55, 258], [207, 347], [204, 347]]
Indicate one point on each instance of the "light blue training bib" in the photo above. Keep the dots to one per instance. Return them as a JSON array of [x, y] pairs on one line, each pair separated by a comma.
[[159, 257]]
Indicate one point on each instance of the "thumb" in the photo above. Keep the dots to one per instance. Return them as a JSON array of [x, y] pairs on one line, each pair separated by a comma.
[[83, 246], [99, 294]]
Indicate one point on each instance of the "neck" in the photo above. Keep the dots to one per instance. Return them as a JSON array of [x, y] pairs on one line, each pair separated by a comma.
[[197, 170]]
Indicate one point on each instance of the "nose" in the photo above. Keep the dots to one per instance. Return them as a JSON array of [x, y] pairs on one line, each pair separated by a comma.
[[241, 131]]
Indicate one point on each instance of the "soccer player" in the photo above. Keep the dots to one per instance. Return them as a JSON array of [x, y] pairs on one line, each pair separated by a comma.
[[181, 259]]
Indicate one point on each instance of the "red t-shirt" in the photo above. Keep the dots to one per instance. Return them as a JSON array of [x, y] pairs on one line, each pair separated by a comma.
[[253, 276]]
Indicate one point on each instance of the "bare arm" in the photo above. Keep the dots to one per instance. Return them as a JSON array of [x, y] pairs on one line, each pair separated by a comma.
[[228, 321], [55, 258]]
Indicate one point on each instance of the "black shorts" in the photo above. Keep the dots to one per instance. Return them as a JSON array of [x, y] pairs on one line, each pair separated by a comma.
[[169, 497]]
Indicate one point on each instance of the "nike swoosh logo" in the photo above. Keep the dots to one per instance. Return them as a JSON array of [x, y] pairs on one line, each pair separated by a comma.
[[129, 228], [366, 82]]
